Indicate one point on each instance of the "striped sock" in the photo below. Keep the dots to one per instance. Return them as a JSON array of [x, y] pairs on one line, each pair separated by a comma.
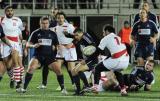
[[17, 74], [21, 72]]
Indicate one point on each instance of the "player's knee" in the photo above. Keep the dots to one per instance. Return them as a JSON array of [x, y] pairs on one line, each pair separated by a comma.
[[14, 53], [74, 72], [30, 69], [58, 71]]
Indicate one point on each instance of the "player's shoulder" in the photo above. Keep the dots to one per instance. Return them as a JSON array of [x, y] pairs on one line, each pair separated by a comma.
[[35, 32], [16, 18]]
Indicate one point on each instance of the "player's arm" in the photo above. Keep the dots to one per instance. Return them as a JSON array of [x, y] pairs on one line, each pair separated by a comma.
[[154, 36], [32, 41], [55, 43], [3, 38], [6, 41], [69, 33]]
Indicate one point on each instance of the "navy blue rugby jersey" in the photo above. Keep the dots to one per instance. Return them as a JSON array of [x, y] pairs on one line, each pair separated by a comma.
[[141, 76], [47, 39], [142, 31], [85, 41]]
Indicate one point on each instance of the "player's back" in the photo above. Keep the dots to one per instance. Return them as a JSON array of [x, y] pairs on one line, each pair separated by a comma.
[[113, 43]]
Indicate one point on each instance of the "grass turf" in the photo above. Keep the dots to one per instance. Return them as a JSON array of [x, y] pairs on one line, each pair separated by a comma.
[[50, 94]]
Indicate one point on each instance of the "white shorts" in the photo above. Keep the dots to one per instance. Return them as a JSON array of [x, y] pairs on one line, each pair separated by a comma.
[[6, 50], [117, 64], [69, 54]]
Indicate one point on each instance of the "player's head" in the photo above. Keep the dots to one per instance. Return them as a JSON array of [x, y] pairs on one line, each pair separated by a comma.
[[145, 5], [78, 33], [60, 17], [143, 14], [44, 23], [149, 65], [9, 11], [54, 11], [126, 24], [108, 29]]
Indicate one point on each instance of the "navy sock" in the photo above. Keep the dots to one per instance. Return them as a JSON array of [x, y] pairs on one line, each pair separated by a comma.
[[71, 77], [28, 78], [77, 83], [45, 72], [60, 80], [83, 78]]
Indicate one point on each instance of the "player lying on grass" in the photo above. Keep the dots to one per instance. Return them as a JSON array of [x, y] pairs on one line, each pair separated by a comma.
[[141, 76]]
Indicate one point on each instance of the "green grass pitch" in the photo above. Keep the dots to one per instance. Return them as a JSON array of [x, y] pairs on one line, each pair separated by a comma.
[[50, 94]]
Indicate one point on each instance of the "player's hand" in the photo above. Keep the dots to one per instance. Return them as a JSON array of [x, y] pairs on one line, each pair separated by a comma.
[[25, 52], [65, 33], [152, 40], [36, 45], [83, 62], [53, 48], [133, 88]]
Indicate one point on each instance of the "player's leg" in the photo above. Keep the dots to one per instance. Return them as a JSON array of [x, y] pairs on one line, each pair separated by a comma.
[[33, 65], [45, 72], [78, 73], [2, 69], [56, 67], [17, 68]]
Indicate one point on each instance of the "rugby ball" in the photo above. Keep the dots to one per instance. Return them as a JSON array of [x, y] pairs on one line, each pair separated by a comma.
[[89, 50]]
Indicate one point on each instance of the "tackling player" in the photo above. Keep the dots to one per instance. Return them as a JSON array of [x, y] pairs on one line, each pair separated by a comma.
[[118, 61]]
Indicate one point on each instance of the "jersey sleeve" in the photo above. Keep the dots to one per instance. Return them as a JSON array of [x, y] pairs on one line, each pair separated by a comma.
[[134, 29], [71, 29], [155, 28], [55, 42], [20, 24], [33, 38], [103, 43], [136, 18], [149, 81]]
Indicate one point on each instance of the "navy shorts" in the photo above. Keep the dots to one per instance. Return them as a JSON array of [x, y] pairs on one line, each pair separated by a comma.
[[144, 51], [45, 60]]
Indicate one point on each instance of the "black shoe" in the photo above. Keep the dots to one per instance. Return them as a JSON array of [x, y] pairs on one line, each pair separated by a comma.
[[78, 94], [11, 84], [81, 93]]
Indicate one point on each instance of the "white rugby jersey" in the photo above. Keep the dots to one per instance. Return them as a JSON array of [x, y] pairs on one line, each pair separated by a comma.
[[113, 43], [59, 29], [12, 26]]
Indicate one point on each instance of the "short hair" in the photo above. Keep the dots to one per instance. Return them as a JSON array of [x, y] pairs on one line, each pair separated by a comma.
[[44, 18], [8, 7], [77, 30], [144, 2], [126, 22], [151, 61], [61, 13], [109, 28]]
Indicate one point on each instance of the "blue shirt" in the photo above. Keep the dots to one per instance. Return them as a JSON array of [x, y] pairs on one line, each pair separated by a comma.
[[142, 31], [47, 39], [141, 76]]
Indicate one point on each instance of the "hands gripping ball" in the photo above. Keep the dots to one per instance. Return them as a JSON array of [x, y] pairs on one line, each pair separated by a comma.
[[89, 50]]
